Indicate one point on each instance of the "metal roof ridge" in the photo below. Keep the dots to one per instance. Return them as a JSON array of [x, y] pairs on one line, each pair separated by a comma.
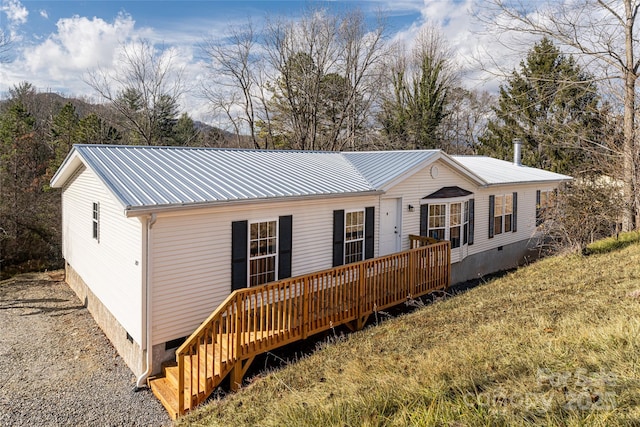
[[430, 150], [188, 148], [358, 171]]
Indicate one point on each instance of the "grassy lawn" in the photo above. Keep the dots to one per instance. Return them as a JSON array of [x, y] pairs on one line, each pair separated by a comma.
[[556, 343]]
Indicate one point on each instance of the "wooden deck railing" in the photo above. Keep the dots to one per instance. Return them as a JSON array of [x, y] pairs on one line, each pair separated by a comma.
[[255, 320], [419, 241]]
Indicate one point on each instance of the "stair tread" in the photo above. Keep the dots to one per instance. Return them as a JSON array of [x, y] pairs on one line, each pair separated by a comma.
[[167, 394]]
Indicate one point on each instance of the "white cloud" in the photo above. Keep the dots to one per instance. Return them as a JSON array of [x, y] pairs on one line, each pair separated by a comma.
[[16, 13], [482, 56], [80, 43]]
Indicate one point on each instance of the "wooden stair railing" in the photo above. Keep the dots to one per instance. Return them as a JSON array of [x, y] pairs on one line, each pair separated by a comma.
[[254, 320]]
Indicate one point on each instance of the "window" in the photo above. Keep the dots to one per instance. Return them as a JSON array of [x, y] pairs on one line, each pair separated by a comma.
[[96, 221], [449, 221], [508, 212], [497, 215], [354, 237], [502, 213], [263, 252], [544, 201], [455, 222], [437, 221]]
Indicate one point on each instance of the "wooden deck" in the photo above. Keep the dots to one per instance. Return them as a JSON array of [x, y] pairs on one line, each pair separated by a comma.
[[258, 319]]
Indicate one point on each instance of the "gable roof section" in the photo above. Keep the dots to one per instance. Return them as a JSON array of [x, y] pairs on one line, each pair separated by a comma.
[[496, 172], [382, 167], [143, 176]]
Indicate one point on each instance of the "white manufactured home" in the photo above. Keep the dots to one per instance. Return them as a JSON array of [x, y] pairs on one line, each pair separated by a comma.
[[155, 238]]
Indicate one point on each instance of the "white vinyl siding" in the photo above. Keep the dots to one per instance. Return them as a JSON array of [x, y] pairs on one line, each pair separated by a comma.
[[191, 255], [421, 184], [111, 263], [526, 217]]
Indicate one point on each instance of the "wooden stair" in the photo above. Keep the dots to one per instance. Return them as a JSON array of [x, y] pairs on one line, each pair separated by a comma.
[[255, 320], [165, 390], [165, 386]]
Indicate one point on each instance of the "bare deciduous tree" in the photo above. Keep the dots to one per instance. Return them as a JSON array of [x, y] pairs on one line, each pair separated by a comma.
[[144, 90], [466, 117], [580, 214], [308, 84], [233, 65], [602, 33]]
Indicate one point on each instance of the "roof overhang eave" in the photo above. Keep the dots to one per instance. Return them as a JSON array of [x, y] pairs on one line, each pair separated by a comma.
[[69, 165], [137, 211], [539, 181]]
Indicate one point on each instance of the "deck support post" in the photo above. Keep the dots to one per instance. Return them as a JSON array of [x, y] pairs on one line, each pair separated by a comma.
[[238, 372]]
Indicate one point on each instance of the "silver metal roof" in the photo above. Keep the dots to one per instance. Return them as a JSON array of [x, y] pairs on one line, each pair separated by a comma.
[[382, 167], [145, 178], [494, 171]]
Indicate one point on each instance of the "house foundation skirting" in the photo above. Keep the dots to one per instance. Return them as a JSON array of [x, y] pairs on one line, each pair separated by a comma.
[[130, 351], [493, 260]]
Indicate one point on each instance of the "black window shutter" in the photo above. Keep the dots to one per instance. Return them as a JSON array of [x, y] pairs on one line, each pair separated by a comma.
[[369, 231], [492, 210], [239, 255], [514, 217], [472, 216], [424, 220], [538, 219], [338, 237], [284, 246]]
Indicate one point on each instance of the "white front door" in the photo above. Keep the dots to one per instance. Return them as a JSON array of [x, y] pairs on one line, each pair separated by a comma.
[[390, 224]]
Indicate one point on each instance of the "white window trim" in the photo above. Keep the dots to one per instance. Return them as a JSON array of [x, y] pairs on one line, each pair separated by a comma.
[[251, 258], [364, 233]]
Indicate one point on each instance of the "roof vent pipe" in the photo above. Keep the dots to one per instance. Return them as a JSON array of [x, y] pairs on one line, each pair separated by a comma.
[[517, 151]]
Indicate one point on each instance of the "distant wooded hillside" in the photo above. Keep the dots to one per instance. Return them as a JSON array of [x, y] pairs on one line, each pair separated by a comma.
[[37, 131]]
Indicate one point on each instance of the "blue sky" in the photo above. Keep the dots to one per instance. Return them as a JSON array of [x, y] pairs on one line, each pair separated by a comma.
[[57, 42]]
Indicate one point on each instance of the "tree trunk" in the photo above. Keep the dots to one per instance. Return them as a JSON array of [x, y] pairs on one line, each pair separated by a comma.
[[629, 154]]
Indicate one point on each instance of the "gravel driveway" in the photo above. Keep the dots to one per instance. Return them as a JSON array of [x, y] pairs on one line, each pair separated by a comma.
[[56, 366]]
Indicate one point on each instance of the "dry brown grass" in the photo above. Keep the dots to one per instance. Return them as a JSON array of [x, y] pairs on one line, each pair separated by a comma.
[[556, 343]]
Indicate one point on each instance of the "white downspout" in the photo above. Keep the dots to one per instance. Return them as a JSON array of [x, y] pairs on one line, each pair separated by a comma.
[[141, 382]]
